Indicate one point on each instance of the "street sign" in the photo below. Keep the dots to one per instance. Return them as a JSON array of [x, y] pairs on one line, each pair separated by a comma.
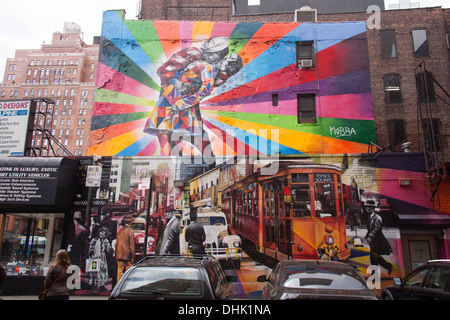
[[93, 176], [144, 184]]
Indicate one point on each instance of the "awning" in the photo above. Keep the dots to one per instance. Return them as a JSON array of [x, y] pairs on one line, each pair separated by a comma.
[[32, 184]]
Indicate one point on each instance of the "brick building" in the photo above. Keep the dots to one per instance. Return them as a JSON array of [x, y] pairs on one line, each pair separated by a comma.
[[65, 72], [393, 84]]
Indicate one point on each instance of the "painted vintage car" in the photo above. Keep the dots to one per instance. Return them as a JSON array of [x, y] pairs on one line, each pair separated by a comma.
[[225, 247]]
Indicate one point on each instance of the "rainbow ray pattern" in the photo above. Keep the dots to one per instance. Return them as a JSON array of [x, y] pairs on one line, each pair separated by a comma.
[[241, 110]]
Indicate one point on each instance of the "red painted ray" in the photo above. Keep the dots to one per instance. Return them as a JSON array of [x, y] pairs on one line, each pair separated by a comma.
[[106, 108], [122, 83], [169, 36]]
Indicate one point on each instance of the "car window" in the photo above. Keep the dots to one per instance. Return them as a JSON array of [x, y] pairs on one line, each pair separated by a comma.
[[416, 278], [213, 279], [163, 280], [324, 281], [438, 279], [211, 221]]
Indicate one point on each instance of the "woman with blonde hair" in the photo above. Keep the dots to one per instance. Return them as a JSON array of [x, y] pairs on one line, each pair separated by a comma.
[[56, 280]]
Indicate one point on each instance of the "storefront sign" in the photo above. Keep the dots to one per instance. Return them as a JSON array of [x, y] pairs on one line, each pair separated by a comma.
[[13, 127], [32, 181]]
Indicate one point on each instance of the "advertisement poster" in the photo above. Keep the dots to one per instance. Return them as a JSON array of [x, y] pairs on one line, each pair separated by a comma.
[[14, 117]]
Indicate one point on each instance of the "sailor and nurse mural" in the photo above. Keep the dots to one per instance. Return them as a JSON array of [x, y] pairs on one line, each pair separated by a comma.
[[228, 88]]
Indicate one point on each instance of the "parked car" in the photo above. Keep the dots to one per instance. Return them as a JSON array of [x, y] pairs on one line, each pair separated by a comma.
[[430, 281], [174, 278], [317, 280]]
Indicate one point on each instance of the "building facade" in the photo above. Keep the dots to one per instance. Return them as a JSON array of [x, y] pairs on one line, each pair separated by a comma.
[[60, 76], [314, 104]]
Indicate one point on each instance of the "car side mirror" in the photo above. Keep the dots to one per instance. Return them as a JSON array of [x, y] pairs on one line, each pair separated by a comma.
[[262, 278], [397, 281]]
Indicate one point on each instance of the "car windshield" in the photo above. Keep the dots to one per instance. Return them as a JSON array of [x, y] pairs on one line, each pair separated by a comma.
[[321, 279], [211, 221], [137, 226], [184, 281]]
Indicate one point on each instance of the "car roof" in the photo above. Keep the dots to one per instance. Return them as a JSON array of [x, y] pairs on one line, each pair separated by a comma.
[[311, 265], [318, 266], [175, 260], [445, 261]]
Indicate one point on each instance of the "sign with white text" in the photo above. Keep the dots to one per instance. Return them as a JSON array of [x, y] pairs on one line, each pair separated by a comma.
[[14, 117]]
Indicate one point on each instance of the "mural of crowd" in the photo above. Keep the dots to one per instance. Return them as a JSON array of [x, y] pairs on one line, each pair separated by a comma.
[[109, 232]]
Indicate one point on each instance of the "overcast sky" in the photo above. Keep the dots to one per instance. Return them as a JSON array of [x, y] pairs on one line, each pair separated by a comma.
[[25, 24]]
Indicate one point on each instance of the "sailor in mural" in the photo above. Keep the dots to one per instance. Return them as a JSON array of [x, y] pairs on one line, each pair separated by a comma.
[[378, 243], [186, 78]]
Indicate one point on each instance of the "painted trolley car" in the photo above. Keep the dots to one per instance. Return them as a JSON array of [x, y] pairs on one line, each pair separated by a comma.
[[291, 214]]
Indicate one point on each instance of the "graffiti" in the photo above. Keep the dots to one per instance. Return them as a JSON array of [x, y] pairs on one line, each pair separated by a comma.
[[208, 87], [342, 131]]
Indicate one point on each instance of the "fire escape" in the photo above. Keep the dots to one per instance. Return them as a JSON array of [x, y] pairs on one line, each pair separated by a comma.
[[426, 125], [42, 145]]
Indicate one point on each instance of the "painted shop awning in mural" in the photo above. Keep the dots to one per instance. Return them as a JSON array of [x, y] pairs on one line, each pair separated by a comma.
[[37, 184]]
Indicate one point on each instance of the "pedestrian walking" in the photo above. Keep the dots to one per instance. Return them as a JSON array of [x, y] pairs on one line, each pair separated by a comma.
[[56, 279], [125, 246]]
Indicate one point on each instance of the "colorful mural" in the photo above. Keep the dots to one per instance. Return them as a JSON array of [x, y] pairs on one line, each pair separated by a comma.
[[229, 88], [356, 200]]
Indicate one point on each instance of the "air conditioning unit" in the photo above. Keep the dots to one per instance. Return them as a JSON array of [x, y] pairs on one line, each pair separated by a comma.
[[305, 14], [306, 63]]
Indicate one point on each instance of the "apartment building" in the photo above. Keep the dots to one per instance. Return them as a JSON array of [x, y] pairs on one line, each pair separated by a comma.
[[60, 77]]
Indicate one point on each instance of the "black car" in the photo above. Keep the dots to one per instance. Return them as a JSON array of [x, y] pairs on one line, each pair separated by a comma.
[[316, 279], [174, 277], [430, 281]]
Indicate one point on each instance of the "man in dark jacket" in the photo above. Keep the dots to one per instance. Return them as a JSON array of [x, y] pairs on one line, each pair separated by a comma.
[[195, 234], [378, 243]]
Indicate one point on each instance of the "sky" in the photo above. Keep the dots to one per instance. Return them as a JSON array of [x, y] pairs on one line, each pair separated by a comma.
[[25, 24]]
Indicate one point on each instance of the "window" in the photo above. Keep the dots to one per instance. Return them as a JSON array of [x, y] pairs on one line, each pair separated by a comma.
[[430, 128], [325, 200], [275, 100], [388, 45], [392, 88], [425, 87], [306, 108], [305, 54], [397, 134], [438, 279], [416, 278], [420, 43]]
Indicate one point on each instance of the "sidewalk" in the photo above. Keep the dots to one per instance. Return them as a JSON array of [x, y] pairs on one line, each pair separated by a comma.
[[71, 297]]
